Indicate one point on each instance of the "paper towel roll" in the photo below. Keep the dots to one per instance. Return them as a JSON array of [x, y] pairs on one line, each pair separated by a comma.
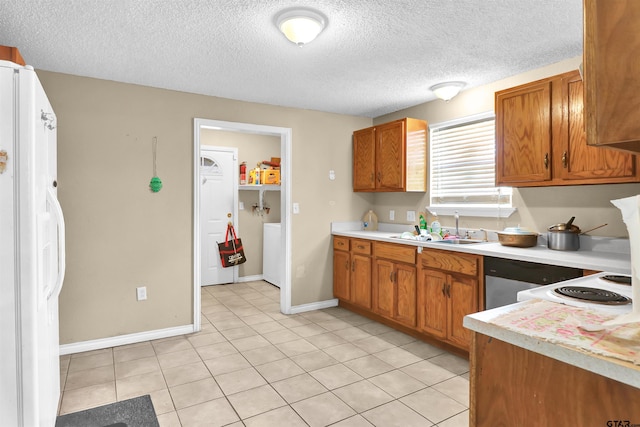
[[630, 208]]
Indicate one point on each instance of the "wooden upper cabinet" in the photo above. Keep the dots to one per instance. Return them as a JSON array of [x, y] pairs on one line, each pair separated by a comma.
[[575, 160], [391, 157], [364, 160], [523, 134], [8, 53], [541, 138], [612, 73]]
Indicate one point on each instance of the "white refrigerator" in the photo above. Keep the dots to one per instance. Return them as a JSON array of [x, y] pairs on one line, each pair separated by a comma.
[[32, 259]]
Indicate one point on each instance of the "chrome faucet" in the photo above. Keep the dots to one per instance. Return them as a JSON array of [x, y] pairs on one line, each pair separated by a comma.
[[457, 217]]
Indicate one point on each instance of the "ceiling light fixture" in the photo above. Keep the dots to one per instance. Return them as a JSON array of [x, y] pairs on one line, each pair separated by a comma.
[[300, 25], [446, 91]]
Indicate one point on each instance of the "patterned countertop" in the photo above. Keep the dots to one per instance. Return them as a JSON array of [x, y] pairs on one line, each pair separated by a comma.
[[556, 331]]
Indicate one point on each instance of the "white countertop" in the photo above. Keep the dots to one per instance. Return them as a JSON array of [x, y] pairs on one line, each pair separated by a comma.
[[617, 370], [596, 253]]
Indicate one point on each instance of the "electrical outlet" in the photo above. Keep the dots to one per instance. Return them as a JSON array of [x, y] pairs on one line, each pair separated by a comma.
[[411, 216], [392, 215], [241, 206], [141, 293]]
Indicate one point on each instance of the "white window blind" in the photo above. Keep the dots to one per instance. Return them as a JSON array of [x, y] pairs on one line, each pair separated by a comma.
[[462, 169]]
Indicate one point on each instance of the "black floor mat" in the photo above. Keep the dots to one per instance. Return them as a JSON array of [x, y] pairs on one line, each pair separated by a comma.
[[136, 412]]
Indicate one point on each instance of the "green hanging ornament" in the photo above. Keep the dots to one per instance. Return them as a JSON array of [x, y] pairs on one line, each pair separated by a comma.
[[156, 182]]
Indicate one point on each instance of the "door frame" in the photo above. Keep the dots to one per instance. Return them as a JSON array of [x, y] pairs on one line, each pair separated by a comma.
[[235, 178], [285, 203]]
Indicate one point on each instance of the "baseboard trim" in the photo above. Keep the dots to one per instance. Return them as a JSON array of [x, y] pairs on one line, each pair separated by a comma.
[[253, 278], [314, 306], [101, 343]]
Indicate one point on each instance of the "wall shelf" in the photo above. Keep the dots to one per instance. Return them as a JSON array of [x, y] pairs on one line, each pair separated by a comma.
[[268, 187], [261, 189]]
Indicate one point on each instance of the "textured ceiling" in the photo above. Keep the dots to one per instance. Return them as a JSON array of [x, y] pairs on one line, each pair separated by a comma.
[[373, 58]]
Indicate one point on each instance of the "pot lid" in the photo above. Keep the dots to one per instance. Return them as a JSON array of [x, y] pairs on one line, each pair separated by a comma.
[[560, 228], [517, 230]]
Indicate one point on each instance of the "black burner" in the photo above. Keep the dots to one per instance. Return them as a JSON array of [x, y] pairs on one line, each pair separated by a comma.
[[599, 296], [620, 280]]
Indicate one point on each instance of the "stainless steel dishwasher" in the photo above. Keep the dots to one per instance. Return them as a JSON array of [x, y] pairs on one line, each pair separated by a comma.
[[504, 278]]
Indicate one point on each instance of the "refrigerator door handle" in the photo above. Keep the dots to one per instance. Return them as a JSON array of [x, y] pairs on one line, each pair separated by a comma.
[[57, 211]]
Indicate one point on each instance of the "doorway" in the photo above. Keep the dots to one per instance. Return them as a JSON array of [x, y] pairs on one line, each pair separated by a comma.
[[285, 204], [218, 206]]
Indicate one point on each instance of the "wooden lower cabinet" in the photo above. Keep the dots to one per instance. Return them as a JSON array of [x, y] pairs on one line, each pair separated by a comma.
[[512, 386], [341, 274], [426, 295], [432, 302], [448, 290], [361, 280], [352, 270], [394, 291]]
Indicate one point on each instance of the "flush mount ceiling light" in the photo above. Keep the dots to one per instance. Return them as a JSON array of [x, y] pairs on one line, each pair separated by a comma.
[[300, 25], [446, 91]]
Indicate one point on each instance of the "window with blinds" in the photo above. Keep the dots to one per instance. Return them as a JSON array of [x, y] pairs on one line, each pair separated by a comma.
[[463, 164]]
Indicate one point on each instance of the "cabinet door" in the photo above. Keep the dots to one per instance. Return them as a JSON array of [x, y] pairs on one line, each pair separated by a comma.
[[611, 70], [432, 302], [361, 280], [383, 288], [405, 294], [341, 275], [577, 160], [364, 160], [463, 300], [523, 134], [390, 156]]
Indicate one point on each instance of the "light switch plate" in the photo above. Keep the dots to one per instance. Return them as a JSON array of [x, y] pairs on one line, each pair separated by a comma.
[[392, 215], [296, 208], [411, 216]]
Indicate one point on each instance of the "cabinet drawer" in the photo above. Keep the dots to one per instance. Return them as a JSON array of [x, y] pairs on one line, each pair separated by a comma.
[[341, 243], [395, 252], [447, 261], [361, 247]]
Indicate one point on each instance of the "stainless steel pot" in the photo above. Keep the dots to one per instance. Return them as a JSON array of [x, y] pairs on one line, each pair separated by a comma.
[[561, 239]]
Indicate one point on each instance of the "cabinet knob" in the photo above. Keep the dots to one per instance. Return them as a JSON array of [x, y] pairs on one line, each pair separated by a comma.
[[546, 161], [564, 159]]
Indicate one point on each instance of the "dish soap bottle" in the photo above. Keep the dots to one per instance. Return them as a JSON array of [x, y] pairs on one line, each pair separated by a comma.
[[423, 223], [436, 228], [370, 221]]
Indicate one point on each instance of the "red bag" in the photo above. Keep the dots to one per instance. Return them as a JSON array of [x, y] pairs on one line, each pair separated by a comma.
[[231, 251]]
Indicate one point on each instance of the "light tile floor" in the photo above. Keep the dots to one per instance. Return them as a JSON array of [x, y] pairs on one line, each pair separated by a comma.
[[253, 366]]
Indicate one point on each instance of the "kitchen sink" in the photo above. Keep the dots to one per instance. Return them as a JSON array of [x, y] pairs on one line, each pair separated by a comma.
[[458, 241]]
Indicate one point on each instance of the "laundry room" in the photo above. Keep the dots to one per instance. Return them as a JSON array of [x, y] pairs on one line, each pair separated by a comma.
[[258, 203]]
